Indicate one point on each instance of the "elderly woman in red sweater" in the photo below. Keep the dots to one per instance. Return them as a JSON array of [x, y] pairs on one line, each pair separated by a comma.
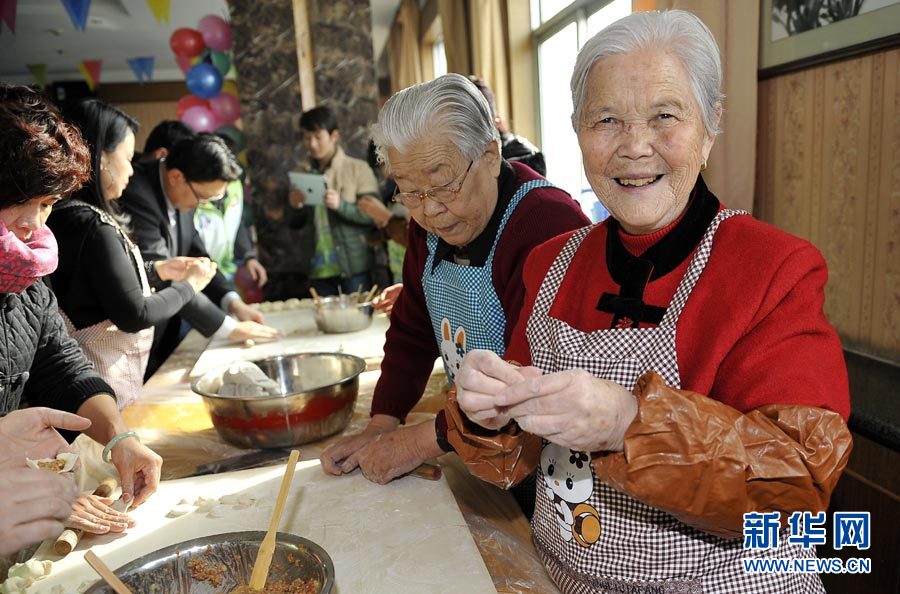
[[475, 218], [679, 370]]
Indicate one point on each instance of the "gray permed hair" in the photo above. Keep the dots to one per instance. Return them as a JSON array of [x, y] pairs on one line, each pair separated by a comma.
[[677, 31], [449, 106]]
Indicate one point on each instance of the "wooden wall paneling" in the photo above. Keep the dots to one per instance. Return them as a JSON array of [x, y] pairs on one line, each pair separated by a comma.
[[792, 170], [762, 204], [885, 332], [148, 114], [847, 93], [873, 163]]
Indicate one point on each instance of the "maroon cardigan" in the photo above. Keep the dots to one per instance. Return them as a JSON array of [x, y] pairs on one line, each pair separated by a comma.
[[410, 348]]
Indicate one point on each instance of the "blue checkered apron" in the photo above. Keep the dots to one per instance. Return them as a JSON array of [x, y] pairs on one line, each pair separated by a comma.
[[639, 549], [465, 297]]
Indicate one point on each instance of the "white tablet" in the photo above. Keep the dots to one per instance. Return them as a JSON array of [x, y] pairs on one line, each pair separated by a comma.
[[311, 184]]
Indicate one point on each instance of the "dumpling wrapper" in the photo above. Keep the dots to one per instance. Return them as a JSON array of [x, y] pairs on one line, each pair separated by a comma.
[[63, 462]]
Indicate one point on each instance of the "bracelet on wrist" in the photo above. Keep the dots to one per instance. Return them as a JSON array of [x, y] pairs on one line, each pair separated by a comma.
[[107, 450]]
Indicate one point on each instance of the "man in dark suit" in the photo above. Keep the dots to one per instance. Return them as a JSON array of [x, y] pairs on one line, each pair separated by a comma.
[[160, 199]]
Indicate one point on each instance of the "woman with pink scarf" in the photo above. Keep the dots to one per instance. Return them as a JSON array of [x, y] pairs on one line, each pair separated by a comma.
[[43, 161]]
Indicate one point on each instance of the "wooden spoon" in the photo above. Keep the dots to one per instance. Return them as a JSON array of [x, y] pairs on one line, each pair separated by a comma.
[[370, 294], [267, 547], [104, 572]]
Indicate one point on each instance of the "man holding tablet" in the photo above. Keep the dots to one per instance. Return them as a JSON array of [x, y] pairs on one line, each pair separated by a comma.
[[341, 256]]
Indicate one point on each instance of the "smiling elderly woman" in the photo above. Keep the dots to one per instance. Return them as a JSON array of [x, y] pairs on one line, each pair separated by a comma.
[[682, 372], [475, 219]]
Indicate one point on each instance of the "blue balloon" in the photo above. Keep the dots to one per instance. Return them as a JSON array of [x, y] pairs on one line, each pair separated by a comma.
[[204, 81]]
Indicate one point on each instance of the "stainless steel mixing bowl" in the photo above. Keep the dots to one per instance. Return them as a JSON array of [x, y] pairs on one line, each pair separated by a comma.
[[317, 394], [230, 556], [341, 313]]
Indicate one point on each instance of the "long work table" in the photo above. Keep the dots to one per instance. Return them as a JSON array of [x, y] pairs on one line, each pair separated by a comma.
[[457, 534]]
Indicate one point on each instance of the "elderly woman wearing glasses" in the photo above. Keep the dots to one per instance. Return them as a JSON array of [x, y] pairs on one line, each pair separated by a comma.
[[475, 219]]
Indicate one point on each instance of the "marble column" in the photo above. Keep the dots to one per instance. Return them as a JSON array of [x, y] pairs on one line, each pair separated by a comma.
[[268, 82]]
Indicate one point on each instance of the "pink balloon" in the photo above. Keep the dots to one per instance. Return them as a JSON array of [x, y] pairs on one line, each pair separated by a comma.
[[216, 32], [226, 107], [200, 119]]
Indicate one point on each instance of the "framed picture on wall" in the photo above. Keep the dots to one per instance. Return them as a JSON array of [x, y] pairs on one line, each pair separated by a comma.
[[796, 34]]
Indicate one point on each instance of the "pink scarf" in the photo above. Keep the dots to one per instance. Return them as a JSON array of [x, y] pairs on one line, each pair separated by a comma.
[[24, 263]]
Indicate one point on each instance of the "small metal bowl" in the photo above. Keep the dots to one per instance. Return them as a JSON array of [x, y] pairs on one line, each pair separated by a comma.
[[231, 556], [341, 313], [317, 394]]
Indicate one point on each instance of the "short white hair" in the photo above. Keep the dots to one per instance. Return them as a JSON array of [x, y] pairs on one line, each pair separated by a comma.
[[676, 31], [449, 107]]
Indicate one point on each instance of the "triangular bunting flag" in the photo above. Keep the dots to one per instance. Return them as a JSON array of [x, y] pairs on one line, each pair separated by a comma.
[[8, 14], [160, 10], [142, 67], [90, 70], [78, 12], [39, 72]]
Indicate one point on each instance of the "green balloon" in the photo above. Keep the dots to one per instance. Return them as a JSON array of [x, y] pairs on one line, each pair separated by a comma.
[[234, 133], [221, 60]]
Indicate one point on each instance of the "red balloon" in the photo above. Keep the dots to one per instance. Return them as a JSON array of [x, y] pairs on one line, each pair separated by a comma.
[[187, 42], [226, 107], [187, 102]]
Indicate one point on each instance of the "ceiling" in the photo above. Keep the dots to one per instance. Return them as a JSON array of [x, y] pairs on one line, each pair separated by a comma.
[[117, 30]]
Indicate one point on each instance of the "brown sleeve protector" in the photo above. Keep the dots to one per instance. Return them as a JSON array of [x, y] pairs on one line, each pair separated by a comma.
[[707, 464], [503, 458]]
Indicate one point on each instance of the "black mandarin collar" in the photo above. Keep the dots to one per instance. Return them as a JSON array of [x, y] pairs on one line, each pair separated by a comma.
[[669, 252], [477, 251]]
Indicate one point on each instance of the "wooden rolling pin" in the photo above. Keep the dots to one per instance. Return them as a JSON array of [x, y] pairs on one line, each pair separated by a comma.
[[432, 472], [69, 538]]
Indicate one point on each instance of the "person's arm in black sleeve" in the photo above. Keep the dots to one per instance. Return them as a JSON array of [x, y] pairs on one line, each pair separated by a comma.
[[118, 288], [60, 375], [243, 244], [296, 218], [203, 315]]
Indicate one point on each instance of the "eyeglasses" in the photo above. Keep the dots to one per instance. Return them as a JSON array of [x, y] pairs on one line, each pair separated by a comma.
[[206, 199], [442, 194]]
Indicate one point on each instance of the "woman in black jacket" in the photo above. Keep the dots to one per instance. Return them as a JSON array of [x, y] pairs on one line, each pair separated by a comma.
[[42, 160], [102, 282]]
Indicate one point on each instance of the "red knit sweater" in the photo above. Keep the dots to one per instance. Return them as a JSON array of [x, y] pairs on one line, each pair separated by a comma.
[[753, 331], [410, 347]]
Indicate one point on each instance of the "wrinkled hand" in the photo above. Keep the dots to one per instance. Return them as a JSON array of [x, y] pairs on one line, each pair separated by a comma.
[[245, 313], [257, 273], [385, 300], [296, 198], [199, 273], [338, 458], [375, 210], [139, 468], [35, 503], [332, 199], [252, 331], [482, 377], [30, 433], [571, 408], [397, 452], [92, 514], [174, 269]]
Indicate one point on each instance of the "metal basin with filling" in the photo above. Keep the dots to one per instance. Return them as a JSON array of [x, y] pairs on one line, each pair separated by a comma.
[[317, 394], [228, 558]]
